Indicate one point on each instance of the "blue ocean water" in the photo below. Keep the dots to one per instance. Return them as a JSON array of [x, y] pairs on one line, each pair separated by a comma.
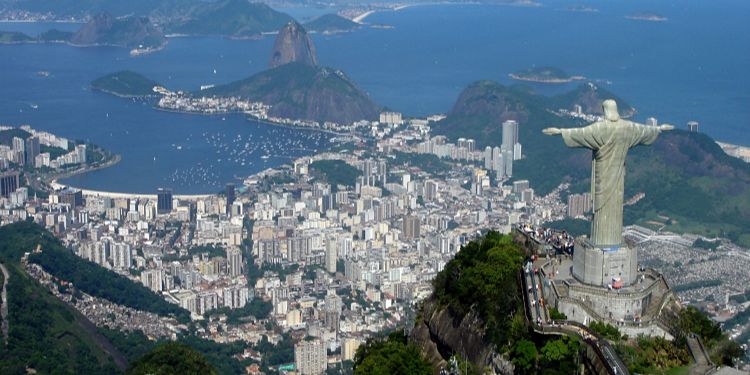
[[691, 67]]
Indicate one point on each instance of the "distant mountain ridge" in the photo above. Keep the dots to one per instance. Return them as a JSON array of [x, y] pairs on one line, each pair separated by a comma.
[[232, 18], [105, 29]]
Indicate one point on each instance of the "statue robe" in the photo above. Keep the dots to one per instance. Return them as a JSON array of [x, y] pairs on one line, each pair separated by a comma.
[[609, 142]]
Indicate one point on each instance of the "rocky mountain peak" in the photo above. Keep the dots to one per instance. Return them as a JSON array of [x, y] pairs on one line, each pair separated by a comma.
[[293, 44]]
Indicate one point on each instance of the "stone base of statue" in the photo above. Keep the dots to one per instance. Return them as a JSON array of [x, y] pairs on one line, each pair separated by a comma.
[[612, 266], [581, 287]]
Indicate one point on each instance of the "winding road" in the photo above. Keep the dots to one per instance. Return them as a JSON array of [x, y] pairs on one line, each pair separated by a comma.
[[4, 307]]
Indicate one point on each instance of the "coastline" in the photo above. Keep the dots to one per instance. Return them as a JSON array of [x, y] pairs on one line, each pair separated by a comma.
[[546, 80], [55, 184], [250, 118], [112, 194]]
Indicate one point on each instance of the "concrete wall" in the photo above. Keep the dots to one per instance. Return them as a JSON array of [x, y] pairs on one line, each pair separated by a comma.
[[594, 266]]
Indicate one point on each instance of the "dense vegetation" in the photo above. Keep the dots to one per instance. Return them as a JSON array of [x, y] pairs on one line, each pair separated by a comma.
[[171, 358], [392, 355], [686, 176], [124, 83], [335, 172], [720, 348], [426, 162], [45, 334], [17, 238], [211, 250], [482, 276], [331, 23], [706, 244], [301, 91], [135, 345]]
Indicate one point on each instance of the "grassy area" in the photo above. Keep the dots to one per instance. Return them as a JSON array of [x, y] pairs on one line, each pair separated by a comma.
[[335, 172]]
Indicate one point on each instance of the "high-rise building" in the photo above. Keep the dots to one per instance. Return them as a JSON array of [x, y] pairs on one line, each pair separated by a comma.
[[527, 195], [73, 197], [411, 227], [430, 190], [310, 357], [229, 190], [510, 134], [234, 262], [692, 126], [9, 182], [121, 256], [331, 253], [579, 204], [510, 139], [520, 185], [31, 151], [163, 200], [508, 163], [350, 349], [19, 153]]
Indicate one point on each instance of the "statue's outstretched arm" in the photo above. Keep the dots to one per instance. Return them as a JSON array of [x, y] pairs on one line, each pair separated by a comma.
[[552, 131]]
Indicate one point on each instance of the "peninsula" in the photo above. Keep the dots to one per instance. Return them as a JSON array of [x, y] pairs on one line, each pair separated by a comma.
[[545, 74], [126, 84]]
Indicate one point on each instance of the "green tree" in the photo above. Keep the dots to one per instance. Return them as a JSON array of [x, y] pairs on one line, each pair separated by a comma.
[[390, 356], [172, 358], [524, 356], [555, 350]]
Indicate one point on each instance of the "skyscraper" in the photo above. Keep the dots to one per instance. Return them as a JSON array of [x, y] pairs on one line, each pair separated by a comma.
[[163, 200], [31, 150], [310, 357], [229, 190], [234, 262], [411, 227], [331, 253], [692, 126], [8, 183], [510, 134]]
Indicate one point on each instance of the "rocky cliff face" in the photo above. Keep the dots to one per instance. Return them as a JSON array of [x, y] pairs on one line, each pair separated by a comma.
[[293, 45], [104, 29], [440, 335]]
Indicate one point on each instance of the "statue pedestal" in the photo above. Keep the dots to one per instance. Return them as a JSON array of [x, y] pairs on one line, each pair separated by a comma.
[[604, 267]]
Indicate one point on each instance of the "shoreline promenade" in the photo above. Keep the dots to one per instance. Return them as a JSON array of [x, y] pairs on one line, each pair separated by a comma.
[[111, 194]]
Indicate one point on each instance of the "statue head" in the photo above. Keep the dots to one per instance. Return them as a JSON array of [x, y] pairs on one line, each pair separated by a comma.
[[610, 110]]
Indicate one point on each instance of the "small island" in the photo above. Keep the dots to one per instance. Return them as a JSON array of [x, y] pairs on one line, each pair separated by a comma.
[[126, 84], [331, 23], [545, 74], [582, 9], [651, 17]]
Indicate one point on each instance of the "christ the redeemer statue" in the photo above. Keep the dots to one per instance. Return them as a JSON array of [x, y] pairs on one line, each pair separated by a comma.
[[609, 140]]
